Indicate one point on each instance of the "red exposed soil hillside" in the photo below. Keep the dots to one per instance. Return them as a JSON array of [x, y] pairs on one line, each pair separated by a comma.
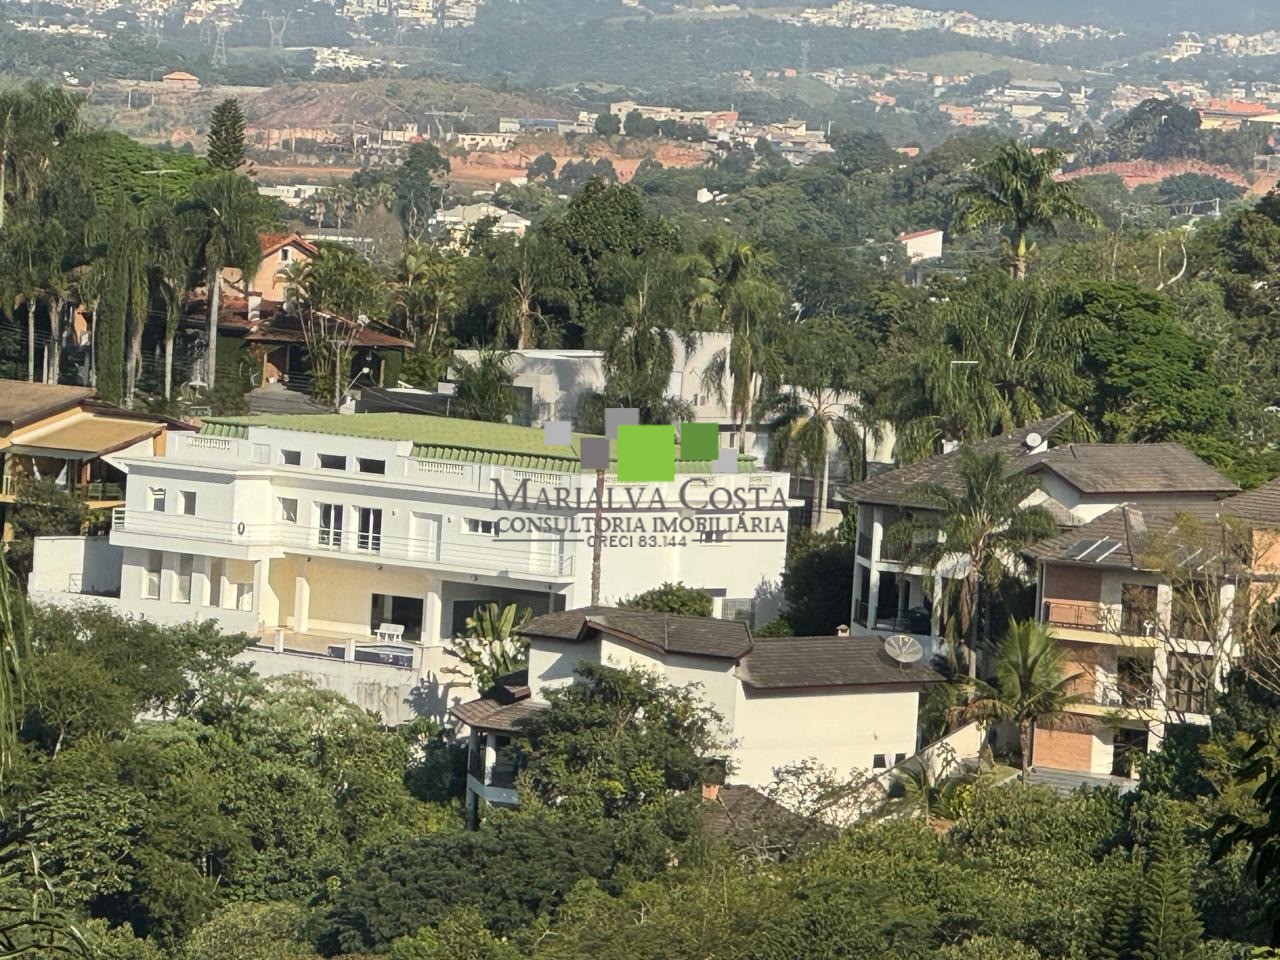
[[1136, 173]]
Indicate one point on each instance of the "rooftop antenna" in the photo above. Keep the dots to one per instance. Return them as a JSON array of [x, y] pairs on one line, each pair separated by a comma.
[[904, 648]]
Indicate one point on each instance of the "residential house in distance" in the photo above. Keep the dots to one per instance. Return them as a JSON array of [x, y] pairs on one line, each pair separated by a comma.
[[550, 383], [1145, 600], [840, 700], [63, 434], [180, 80], [279, 250], [456, 222], [370, 538], [1079, 482]]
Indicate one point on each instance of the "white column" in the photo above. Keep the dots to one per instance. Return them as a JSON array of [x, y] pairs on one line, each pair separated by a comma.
[[431, 612], [301, 603], [873, 589], [490, 756]]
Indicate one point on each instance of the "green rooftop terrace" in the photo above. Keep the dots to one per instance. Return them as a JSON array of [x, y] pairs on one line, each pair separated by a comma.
[[442, 438]]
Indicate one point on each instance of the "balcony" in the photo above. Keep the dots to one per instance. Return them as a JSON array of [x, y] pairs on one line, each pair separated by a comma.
[[1097, 622], [491, 557]]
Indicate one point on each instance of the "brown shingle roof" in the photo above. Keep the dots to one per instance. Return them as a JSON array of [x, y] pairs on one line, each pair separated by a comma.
[[895, 486], [486, 714], [1260, 505], [780, 663], [1127, 526], [698, 636], [22, 402], [751, 822], [1130, 468]]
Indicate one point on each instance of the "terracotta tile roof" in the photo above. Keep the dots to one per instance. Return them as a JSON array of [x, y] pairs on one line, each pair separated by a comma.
[[697, 636], [780, 663], [1130, 468], [271, 242], [22, 402], [894, 487]]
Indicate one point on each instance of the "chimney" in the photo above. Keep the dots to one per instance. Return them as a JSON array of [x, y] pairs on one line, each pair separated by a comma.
[[710, 791], [255, 307], [842, 630]]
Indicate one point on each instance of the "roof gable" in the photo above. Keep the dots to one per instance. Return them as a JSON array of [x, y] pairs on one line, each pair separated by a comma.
[[1130, 469]]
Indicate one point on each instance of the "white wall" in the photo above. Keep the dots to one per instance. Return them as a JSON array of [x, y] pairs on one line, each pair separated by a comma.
[[842, 728], [75, 565], [718, 686]]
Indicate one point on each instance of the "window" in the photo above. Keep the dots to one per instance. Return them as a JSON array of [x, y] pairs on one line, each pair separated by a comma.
[[1189, 683], [480, 527], [284, 254], [898, 758], [261, 453], [152, 565], [288, 509], [877, 762], [743, 610], [332, 461], [291, 458], [157, 499], [330, 525], [182, 579], [370, 532], [365, 465], [187, 500]]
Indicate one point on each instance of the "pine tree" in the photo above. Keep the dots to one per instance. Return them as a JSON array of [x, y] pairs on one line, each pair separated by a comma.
[[226, 135], [1169, 929], [1119, 938]]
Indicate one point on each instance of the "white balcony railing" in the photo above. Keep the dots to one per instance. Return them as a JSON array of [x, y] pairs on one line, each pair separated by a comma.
[[492, 557]]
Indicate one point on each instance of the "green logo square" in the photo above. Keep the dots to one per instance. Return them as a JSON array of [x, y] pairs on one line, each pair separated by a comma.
[[699, 441], [646, 453]]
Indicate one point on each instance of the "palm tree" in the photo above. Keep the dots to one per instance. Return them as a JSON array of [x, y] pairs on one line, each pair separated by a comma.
[[982, 523], [225, 210], [1032, 686], [425, 290], [173, 256], [119, 237], [1016, 190], [640, 335], [733, 293], [808, 423], [528, 286], [34, 119], [484, 387]]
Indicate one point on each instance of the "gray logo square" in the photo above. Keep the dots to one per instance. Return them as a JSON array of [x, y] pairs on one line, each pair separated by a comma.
[[595, 453], [616, 417]]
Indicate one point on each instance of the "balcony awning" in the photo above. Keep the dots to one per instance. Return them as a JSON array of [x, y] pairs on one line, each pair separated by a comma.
[[84, 436]]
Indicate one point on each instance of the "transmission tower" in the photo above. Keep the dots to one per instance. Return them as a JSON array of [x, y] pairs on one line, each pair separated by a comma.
[[219, 57], [277, 26]]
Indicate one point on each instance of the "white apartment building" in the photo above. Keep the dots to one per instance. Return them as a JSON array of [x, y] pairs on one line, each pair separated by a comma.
[[373, 537]]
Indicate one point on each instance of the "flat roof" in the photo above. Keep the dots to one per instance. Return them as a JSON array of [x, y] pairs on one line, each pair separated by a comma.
[[442, 438]]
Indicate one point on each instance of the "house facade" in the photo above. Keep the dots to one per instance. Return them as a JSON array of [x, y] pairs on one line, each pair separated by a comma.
[[1077, 484], [840, 700], [1147, 602], [373, 537], [64, 435]]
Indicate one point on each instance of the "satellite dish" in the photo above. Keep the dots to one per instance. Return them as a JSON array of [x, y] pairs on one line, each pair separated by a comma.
[[1033, 440], [903, 648]]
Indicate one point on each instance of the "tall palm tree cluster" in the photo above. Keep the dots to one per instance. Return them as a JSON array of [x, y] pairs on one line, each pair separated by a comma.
[[92, 224]]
